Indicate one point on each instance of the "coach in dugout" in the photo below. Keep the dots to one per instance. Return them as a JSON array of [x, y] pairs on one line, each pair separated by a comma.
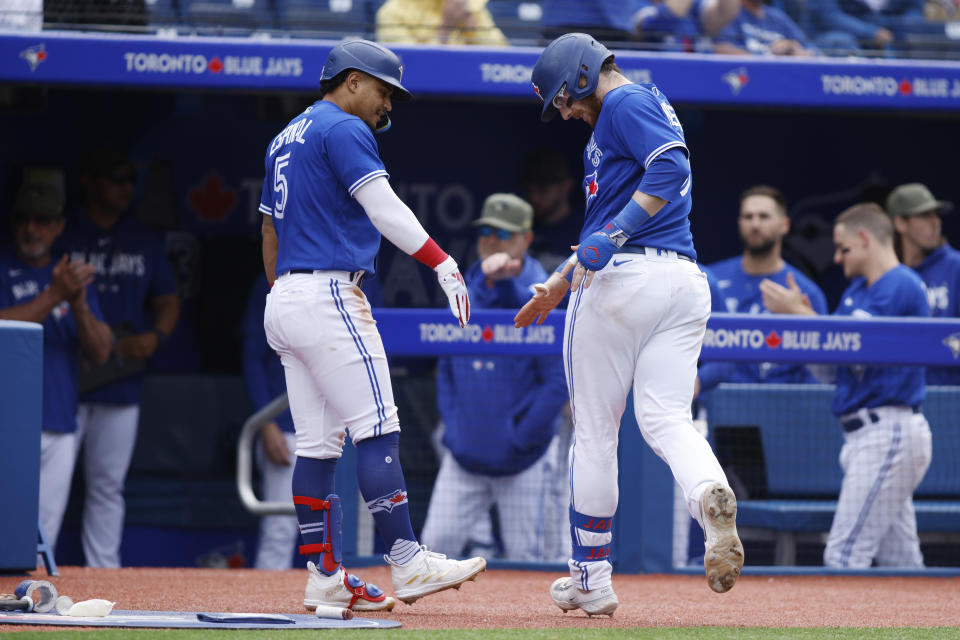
[[922, 247], [499, 412], [735, 285], [887, 441], [59, 294]]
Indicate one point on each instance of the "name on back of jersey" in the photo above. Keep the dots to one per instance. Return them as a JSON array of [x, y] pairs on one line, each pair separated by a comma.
[[292, 133]]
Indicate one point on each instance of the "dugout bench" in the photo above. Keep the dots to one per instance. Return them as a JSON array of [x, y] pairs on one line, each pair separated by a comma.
[[800, 444]]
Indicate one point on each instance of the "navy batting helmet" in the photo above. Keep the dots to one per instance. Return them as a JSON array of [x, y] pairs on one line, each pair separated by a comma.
[[561, 66], [370, 58]]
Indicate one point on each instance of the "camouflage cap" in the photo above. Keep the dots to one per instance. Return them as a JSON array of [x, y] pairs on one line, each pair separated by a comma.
[[506, 211], [913, 199], [40, 200]]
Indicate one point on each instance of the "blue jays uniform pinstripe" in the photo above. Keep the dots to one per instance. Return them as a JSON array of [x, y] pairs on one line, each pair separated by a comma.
[[940, 272], [320, 322], [887, 442], [739, 292], [639, 326]]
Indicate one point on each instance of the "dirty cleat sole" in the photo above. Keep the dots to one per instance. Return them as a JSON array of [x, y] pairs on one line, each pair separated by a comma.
[[596, 602], [723, 556]]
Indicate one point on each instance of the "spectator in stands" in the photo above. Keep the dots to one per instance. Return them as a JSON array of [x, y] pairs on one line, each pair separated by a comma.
[[736, 285], [763, 29], [264, 379], [673, 24], [500, 412], [60, 13], [547, 183], [922, 247], [138, 295], [35, 287], [876, 24], [941, 11], [887, 441], [438, 22]]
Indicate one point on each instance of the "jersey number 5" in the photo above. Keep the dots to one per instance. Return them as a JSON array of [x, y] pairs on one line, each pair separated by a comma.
[[280, 184]]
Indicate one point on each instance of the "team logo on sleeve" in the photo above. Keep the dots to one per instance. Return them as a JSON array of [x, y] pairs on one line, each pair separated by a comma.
[[388, 502], [590, 187], [953, 343]]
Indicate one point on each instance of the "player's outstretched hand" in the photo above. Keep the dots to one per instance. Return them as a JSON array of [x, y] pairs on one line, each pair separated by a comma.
[[451, 281], [547, 295]]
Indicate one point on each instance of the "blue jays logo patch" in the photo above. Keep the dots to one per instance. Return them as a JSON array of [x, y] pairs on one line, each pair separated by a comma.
[[388, 502], [953, 343], [590, 187]]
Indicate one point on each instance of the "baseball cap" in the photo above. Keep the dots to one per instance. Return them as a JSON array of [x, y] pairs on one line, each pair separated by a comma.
[[40, 200], [912, 199], [506, 211]]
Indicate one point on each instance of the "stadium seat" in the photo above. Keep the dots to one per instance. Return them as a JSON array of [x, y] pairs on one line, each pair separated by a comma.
[[519, 20], [326, 18], [227, 15], [162, 13]]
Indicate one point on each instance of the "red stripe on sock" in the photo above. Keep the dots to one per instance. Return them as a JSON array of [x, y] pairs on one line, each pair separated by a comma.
[[430, 254], [315, 504]]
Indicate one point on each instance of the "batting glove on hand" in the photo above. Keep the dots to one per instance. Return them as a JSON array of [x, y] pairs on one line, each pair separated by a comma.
[[596, 249], [456, 289]]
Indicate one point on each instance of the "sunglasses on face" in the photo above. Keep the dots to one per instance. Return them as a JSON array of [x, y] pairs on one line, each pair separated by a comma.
[[502, 234], [122, 177], [562, 99]]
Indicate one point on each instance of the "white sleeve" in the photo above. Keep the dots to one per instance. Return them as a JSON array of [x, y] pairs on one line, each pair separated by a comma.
[[391, 216]]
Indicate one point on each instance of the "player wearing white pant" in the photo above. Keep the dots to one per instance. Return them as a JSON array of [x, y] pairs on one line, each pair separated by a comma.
[[637, 315], [59, 295], [887, 441]]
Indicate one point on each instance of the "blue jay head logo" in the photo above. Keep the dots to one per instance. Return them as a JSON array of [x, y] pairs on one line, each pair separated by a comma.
[[953, 343], [34, 56], [388, 502], [736, 79], [590, 187]]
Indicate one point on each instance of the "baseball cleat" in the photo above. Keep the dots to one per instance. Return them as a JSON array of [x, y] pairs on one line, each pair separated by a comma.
[[723, 556], [343, 590], [431, 572], [596, 602]]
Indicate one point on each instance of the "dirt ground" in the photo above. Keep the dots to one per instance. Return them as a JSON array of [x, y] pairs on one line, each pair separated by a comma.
[[510, 599]]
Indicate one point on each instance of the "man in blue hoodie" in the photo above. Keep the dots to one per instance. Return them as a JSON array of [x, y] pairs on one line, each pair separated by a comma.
[[499, 412]]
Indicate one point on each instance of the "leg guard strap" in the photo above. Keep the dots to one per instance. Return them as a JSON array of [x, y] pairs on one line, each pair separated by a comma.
[[331, 548]]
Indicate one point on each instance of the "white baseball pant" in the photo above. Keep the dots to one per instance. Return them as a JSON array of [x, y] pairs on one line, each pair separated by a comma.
[[106, 434], [336, 370], [460, 497], [58, 452], [883, 462], [278, 534], [639, 326]]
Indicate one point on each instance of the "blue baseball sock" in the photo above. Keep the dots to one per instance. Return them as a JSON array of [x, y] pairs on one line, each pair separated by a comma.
[[381, 483], [312, 483]]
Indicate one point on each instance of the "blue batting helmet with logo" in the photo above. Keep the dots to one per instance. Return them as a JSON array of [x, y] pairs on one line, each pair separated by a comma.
[[370, 58], [562, 64]]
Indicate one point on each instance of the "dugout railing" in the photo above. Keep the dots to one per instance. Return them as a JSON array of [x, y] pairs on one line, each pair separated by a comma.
[[779, 443]]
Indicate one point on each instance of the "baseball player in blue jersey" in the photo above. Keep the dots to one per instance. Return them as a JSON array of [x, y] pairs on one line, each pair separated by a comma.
[[763, 223], [499, 413], [138, 295], [263, 378], [916, 219], [34, 287], [887, 442], [326, 201], [637, 316]]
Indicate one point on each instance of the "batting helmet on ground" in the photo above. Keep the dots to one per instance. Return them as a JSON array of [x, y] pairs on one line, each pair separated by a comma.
[[564, 62], [370, 58]]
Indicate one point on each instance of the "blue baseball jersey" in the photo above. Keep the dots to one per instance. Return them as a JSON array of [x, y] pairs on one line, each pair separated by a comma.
[[659, 24], [132, 268], [735, 291], [898, 293], [500, 411], [756, 33], [312, 170], [20, 283], [940, 273], [607, 14], [636, 125], [262, 370]]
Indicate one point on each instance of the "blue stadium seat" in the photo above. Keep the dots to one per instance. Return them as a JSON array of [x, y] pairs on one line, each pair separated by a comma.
[[228, 15], [326, 18], [519, 20]]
